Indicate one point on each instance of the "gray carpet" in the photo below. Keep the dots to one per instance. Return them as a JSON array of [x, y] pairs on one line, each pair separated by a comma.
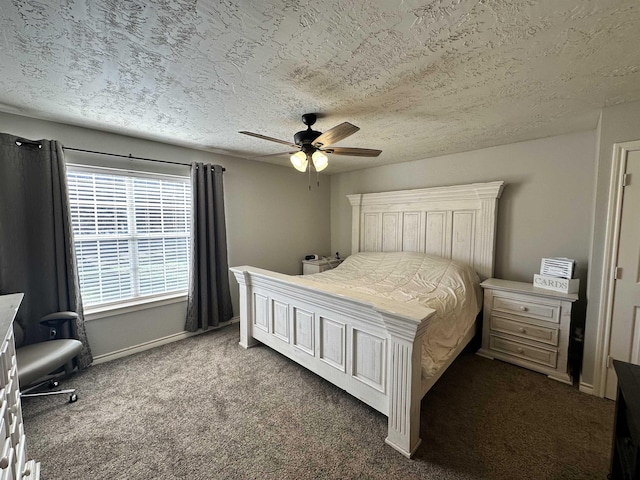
[[204, 408]]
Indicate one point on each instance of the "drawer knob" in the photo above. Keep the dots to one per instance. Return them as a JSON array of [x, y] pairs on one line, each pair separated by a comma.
[[520, 350], [4, 462], [522, 330], [523, 308]]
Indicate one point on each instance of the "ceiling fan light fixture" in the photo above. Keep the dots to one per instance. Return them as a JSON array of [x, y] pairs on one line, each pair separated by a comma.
[[299, 161], [320, 160]]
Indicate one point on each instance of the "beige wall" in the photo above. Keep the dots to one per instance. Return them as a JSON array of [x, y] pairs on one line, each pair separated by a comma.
[[548, 208], [545, 210], [272, 218]]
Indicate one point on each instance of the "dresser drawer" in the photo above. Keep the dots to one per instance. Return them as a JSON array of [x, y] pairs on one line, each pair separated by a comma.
[[31, 470], [7, 457], [16, 430], [541, 311], [525, 330], [542, 356], [20, 457], [5, 363], [12, 437]]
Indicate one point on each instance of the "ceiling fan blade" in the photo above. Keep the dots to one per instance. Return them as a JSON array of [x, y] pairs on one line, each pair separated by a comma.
[[271, 139], [335, 134], [275, 154], [356, 152]]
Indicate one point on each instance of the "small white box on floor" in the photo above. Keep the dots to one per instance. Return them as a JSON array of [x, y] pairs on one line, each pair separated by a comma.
[[564, 285]]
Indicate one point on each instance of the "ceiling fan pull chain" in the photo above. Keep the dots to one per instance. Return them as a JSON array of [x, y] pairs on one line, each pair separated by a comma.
[[309, 168], [318, 179]]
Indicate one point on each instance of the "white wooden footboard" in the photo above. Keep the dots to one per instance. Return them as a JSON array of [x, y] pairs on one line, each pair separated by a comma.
[[368, 346]]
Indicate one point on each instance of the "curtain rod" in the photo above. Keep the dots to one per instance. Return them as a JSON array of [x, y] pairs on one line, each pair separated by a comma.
[[21, 141], [131, 157]]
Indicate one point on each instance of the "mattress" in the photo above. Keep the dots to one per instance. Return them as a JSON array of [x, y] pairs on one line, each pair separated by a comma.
[[452, 289]]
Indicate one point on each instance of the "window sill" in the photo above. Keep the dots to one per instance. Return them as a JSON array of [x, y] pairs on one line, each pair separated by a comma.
[[135, 305]]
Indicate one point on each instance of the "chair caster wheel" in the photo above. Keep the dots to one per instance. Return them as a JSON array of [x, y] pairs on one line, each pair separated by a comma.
[[53, 384], [73, 398]]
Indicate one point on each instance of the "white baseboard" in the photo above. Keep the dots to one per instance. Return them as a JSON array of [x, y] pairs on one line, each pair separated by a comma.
[[586, 388], [141, 347]]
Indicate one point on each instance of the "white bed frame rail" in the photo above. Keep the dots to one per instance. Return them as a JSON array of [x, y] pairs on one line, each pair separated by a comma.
[[368, 346]]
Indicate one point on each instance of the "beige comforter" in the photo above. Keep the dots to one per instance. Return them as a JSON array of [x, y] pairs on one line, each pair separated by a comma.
[[450, 288]]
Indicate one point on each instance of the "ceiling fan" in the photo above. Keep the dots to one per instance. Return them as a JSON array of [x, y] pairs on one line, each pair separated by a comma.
[[312, 146]]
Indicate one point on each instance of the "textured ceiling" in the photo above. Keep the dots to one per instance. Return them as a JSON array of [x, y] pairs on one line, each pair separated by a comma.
[[419, 78]]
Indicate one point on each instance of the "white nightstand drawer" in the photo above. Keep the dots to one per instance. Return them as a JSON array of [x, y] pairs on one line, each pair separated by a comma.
[[542, 356], [550, 313], [318, 266], [525, 330]]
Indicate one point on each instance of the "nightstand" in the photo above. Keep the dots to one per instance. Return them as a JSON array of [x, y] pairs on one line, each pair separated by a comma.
[[320, 265], [527, 326]]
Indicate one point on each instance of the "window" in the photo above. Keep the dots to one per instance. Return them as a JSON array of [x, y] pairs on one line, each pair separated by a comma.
[[131, 233]]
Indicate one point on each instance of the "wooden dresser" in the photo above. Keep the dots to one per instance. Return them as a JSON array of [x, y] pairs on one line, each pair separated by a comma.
[[13, 464], [527, 326], [625, 452]]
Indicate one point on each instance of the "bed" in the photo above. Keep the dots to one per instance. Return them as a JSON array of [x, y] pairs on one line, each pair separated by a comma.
[[367, 326]]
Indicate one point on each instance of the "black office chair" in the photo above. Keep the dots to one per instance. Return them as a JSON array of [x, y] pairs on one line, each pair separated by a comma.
[[44, 362]]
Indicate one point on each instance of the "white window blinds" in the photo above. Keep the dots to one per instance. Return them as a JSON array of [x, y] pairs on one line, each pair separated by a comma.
[[131, 233]]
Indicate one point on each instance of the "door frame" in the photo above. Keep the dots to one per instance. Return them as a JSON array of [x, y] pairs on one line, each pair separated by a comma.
[[612, 238]]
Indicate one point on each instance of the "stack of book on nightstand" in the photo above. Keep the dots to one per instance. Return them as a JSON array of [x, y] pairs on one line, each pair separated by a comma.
[[557, 274]]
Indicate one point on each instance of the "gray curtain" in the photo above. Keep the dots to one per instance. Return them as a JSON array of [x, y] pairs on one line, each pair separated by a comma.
[[209, 292], [36, 238]]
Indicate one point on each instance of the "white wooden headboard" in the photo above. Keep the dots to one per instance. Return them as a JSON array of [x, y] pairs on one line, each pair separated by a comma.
[[457, 222]]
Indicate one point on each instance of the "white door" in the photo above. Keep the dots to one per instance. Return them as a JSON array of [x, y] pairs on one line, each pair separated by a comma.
[[625, 316]]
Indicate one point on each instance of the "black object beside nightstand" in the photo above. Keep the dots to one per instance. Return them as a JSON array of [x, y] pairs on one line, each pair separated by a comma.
[[625, 451]]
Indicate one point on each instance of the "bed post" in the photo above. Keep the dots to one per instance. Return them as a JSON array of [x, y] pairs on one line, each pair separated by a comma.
[[244, 281], [404, 381], [486, 228], [356, 202]]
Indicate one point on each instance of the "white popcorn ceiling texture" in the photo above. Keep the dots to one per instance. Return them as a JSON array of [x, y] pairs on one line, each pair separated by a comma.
[[419, 78]]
